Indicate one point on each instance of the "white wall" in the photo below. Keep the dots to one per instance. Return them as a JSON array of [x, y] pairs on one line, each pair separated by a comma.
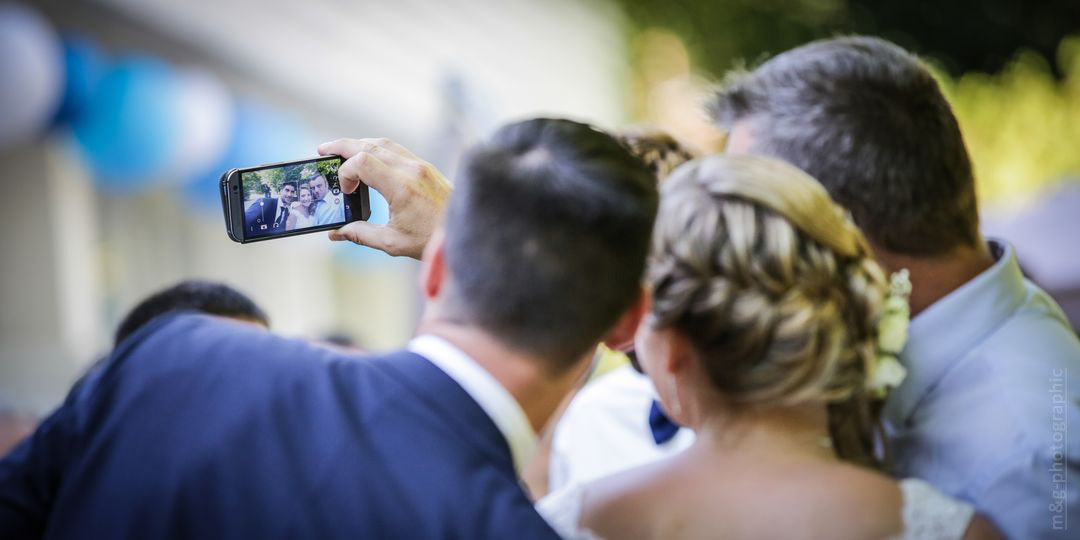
[[383, 62]]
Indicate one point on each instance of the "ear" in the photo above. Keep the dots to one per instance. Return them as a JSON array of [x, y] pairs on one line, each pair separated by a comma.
[[679, 350], [433, 271], [663, 351], [621, 336]]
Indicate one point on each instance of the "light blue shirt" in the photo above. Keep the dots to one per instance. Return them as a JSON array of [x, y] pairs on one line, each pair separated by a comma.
[[331, 209], [992, 392]]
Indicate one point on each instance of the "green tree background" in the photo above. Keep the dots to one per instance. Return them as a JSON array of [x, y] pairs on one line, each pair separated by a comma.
[[274, 178], [1011, 69]]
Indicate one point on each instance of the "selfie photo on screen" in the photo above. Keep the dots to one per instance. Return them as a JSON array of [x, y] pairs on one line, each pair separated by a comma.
[[292, 197]]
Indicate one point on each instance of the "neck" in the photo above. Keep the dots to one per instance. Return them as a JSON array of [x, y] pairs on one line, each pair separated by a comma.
[[777, 431], [932, 278], [523, 375]]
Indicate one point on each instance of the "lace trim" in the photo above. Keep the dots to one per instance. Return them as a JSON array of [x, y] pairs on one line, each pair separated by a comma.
[[929, 514]]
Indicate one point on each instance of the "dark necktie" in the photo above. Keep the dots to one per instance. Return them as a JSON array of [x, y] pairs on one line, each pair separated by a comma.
[[663, 429], [283, 217]]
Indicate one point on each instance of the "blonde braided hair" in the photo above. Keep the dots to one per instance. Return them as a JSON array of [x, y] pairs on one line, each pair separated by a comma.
[[774, 286], [661, 152]]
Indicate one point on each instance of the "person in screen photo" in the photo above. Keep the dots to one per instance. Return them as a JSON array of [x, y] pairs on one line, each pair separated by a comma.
[[329, 204], [302, 211], [269, 214]]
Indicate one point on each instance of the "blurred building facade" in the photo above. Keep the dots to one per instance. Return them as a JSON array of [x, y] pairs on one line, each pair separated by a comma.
[[78, 253]]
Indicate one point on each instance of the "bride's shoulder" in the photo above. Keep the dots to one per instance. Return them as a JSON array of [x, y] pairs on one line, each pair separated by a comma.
[[630, 490], [626, 504], [879, 506], [863, 502], [618, 500]]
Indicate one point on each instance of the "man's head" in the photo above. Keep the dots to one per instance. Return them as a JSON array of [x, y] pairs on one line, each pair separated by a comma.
[[318, 186], [546, 235], [287, 194], [868, 120], [199, 296]]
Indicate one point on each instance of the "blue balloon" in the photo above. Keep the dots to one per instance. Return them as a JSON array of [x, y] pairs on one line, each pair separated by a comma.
[[130, 126], [31, 74], [85, 64], [260, 135]]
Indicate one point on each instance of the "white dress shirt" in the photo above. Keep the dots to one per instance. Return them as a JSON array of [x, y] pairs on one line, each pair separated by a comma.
[[329, 209], [605, 429], [281, 206], [993, 387], [485, 390]]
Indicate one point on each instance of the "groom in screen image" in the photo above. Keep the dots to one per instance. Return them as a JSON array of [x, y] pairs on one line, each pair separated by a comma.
[[200, 427], [268, 214], [329, 204]]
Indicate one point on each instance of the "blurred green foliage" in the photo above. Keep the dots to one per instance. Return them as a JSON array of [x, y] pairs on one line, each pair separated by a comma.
[[1009, 67], [273, 178], [1021, 125], [963, 35], [328, 169]]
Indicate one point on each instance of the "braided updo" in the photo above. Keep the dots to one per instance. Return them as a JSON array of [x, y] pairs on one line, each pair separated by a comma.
[[774, 286], [661, 152]]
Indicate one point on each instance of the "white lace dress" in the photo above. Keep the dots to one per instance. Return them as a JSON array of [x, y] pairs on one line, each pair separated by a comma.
[[928, 514]]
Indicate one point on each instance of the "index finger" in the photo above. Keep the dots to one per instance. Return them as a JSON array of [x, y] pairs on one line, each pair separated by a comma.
[[348, 148], [368, 169]]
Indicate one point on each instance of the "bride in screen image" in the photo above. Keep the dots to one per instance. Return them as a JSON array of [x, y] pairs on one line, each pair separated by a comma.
[[764, 334], [301, 213]]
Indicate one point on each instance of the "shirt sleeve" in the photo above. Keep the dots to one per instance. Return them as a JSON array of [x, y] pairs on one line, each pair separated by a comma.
[[1036, 497]]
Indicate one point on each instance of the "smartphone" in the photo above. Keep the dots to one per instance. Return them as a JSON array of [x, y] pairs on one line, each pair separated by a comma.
[[286, 199]]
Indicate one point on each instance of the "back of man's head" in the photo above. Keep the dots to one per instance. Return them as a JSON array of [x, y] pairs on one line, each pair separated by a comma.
[[546, 236], [199, 296], [867, 119]]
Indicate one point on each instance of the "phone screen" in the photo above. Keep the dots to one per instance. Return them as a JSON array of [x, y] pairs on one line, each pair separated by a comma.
[[292, 197]]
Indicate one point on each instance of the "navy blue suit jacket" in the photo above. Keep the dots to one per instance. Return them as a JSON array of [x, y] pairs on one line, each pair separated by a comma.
[[197, 427], [262, 212]]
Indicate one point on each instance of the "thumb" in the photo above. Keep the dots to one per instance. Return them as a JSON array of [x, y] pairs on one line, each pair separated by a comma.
[[362, 233]]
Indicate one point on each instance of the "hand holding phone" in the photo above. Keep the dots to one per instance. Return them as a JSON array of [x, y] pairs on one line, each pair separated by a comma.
[[286, 199], [415, 190]]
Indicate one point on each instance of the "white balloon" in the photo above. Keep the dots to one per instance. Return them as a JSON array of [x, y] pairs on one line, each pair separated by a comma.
[[31, 74], [206, 118]]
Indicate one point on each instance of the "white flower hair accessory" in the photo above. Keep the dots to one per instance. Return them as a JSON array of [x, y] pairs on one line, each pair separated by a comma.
[[886, 371]]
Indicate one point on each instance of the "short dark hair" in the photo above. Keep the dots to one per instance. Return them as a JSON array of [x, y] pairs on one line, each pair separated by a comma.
[[868, 120], [547, 233], [201, 296]]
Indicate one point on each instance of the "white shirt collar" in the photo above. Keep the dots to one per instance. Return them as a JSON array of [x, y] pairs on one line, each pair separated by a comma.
[[485, 390]]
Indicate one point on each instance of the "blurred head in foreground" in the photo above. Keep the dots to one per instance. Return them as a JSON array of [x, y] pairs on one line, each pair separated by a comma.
[[199, 296], [764, 297], [546, 235]]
